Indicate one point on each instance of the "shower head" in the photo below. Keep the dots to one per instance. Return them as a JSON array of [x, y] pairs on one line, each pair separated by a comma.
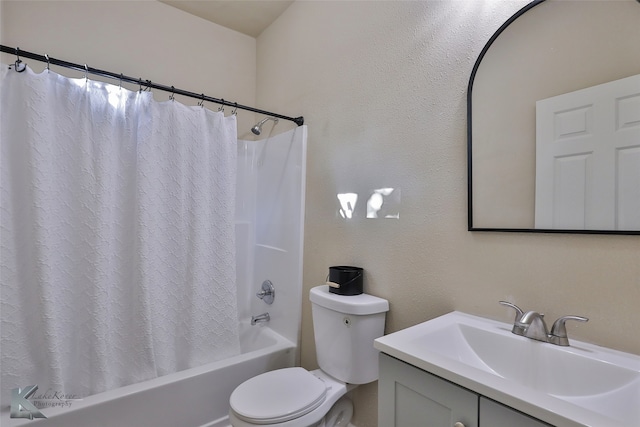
[[257, 129]]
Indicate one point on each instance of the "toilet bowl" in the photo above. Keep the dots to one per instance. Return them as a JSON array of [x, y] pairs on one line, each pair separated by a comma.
[[344, 330]]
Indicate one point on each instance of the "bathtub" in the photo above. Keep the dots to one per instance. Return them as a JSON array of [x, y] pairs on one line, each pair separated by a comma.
[[197, 397]]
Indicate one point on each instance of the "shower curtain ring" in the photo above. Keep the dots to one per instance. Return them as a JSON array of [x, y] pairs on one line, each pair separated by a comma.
[[171, 97], [221, 108], [86, 72], [48, 62], [235, 110], [201, 103], [121, 80], [16, 65]]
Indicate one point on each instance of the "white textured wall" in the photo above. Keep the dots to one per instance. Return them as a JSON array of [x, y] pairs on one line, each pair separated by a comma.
[[142, 38], [382, 86]]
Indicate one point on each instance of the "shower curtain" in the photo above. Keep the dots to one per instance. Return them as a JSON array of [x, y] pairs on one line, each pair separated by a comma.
[[117, 235]]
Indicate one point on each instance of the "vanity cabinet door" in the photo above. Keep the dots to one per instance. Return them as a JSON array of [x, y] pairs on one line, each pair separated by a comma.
[[496, 415], [411, 397]]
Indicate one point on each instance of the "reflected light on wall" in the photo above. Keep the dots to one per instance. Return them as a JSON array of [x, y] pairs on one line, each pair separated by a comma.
[[381, 203], [347, 204], [384, 203]]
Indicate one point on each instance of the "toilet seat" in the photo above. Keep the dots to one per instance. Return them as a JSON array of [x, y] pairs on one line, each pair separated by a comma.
[[278, 396]]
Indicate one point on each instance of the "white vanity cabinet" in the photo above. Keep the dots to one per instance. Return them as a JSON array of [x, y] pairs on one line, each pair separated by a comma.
[[411, 397]]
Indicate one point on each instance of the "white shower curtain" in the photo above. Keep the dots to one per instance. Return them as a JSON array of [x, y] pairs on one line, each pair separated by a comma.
[[118, 247]]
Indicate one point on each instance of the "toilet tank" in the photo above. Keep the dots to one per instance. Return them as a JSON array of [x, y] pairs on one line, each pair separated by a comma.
[[344, 329]]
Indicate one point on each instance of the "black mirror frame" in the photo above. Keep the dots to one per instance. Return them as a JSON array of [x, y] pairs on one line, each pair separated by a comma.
[[470, 225]]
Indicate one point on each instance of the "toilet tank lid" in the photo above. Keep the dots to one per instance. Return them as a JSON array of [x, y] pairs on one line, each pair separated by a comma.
[[353, 304]]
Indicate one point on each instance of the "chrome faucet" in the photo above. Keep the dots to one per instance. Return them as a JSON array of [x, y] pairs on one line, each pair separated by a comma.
[[531, 325], [260, 318]]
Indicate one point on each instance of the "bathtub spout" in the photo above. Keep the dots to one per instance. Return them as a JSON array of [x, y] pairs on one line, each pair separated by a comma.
[[264, 317]]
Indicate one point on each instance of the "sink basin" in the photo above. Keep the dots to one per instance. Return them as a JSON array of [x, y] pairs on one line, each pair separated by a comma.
[[582, 385], [547, 368]]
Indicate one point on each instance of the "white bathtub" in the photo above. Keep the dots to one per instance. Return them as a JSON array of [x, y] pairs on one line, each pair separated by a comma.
[[197, 397]]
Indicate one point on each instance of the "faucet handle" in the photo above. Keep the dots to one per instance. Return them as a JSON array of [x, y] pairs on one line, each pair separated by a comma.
[[517, 328], [268, 292], [519, 311], [559, 330]]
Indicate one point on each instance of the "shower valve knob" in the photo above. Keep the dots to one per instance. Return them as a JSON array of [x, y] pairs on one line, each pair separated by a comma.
[[268, 292]]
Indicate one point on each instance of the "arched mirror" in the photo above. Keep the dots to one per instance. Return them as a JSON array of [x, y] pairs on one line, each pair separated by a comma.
[[554, 121]]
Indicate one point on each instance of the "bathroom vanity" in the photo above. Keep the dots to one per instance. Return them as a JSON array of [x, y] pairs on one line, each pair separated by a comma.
[[408, 395], [460, 370]]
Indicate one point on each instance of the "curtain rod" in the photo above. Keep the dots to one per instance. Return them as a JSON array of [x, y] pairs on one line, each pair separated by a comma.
[[147, 84]]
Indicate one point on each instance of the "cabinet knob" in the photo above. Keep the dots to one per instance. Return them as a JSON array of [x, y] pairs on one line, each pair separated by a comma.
[[458, 424]]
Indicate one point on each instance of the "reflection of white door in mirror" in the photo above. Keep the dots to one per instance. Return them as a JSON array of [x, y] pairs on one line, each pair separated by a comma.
[[588, 158]]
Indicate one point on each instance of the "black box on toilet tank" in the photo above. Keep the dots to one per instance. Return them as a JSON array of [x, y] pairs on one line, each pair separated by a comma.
[[345, 280]]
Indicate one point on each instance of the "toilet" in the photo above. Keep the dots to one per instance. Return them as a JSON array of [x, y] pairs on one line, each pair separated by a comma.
[[344, 329]]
